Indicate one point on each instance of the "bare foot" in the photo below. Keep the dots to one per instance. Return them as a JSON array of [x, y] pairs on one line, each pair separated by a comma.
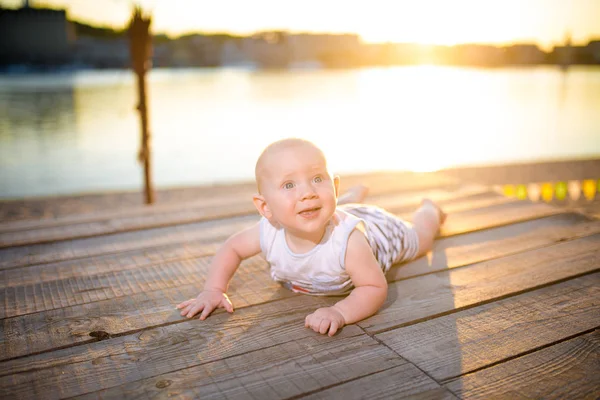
[[355, 194], [441, 214]]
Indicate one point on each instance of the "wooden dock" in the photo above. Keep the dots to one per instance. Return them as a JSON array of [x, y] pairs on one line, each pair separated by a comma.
[[506, 306]]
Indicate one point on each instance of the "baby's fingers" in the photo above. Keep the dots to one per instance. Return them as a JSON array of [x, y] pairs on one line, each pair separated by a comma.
[[208, 308], [308, 321], [194, 309], [186, 309], [324, 326], [333, 328], [184, 303]]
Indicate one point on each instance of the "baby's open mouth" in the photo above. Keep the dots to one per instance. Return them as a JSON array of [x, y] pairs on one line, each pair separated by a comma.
[[309, 212]]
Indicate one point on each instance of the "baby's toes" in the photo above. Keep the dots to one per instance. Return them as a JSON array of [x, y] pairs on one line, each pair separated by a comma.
[[443, 216]]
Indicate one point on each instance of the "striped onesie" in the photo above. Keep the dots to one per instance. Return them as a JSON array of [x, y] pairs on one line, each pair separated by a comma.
[[321, 271]]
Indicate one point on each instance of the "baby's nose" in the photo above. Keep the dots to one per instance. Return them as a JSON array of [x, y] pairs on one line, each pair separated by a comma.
[[309, 193]]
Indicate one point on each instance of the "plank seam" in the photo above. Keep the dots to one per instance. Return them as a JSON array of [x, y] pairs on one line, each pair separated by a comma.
[[525, 353], [89, 218], [125, 230], [481, 303], [402, 279], [102, 335], [112, 355], [125, 252], [557, 211], [213, 361], [372, 335], [152, 265], [509, 254], [333, 385]]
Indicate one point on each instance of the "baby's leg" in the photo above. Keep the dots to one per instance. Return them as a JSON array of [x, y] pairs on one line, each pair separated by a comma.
[[356, 194], [427, 221]]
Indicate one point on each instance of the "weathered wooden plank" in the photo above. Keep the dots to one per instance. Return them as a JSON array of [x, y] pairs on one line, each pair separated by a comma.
[[166, 237], [427, 296], [109, 263], [283, 371], [77, 287], [44, 330], [463, 198], [405, 381], [462, 342], [125, 224], [233, 200], [411, 200], [567, 370], [496, 215], [125, 358], [448, 252], [592, 208], [27, 299], [486, 217], [58, 230], [59, 207], [69, 326], [523, 172], [454, 206], [111, 244], [469, 248], [112, 262], [151, 353]]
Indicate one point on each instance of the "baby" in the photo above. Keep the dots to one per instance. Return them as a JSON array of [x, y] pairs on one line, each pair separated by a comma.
[[314, 246]]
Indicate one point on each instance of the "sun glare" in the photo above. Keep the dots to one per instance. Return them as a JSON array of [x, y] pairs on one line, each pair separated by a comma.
[[441, 22], [450, 22]]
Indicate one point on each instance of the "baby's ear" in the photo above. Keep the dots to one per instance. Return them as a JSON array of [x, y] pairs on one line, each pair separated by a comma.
[[336, 185], [261, 205]]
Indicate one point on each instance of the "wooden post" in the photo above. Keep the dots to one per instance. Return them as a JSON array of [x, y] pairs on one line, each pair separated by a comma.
[[140, 46]]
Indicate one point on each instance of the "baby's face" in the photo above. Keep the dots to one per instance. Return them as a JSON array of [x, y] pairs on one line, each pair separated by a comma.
[[299, 191]]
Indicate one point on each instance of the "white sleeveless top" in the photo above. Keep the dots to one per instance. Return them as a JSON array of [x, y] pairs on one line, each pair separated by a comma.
[[320, 271]]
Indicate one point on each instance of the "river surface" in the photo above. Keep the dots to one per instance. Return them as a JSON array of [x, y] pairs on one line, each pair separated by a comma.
[[67, 133]]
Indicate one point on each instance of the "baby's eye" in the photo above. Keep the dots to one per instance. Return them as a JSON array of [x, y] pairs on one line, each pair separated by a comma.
[[318, 179], [288, 185]]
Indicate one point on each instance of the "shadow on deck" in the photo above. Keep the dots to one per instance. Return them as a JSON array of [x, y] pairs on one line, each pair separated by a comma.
[[506, 305]]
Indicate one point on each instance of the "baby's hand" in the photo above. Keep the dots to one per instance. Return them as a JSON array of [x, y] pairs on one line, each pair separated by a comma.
[[325, 319], [207, 301]]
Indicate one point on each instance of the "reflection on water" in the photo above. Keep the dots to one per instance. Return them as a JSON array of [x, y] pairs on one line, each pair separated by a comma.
[[79, 132]]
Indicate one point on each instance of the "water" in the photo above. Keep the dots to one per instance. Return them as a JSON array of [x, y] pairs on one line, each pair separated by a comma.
[[79, 132]]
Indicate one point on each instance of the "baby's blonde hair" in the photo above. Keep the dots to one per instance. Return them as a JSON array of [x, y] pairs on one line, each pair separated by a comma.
[[259, 170]]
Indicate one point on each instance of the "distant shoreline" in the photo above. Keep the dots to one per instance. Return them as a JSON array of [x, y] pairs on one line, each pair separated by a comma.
[[66, 69]]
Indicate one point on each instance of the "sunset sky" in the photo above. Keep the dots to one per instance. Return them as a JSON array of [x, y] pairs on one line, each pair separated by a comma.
[[420, 21]]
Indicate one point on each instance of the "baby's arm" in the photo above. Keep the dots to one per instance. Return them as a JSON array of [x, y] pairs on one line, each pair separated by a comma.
[[367, 297], [226, 261]]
